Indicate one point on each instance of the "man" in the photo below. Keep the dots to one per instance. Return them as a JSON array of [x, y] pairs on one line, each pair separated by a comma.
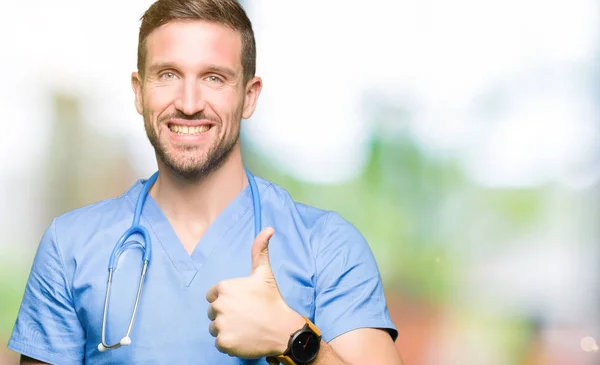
[[305, 290]]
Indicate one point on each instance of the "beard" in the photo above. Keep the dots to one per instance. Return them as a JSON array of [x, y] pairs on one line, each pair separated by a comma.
[[189, 162]]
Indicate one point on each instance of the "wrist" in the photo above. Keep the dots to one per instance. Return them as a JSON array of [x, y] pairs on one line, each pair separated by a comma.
[[303, 341], [290, 322]]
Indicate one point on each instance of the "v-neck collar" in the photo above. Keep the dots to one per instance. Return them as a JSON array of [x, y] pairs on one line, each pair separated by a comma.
[[188, 265]]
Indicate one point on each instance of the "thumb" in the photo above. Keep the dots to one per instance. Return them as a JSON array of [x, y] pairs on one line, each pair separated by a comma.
[[260, 249]]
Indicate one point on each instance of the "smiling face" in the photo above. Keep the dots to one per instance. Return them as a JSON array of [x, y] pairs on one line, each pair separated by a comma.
[[192, 95]]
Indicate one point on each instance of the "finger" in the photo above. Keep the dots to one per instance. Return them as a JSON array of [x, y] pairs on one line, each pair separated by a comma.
[[213, 329], [213, 293], [212, 312], [223, 346], [260, 248]]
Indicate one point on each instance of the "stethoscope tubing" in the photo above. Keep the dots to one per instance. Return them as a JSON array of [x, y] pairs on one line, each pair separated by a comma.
[[136, 227]]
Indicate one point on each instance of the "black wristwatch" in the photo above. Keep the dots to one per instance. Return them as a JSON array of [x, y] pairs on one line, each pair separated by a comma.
[[303, 346]]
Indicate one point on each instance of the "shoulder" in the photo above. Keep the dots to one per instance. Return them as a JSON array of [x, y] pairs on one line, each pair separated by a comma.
[[324, 226], [75, 228], [85, 213], [97, 213]]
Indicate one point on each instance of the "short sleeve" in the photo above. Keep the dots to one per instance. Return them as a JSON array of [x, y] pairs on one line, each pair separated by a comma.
[[47, 326], [349, 290]]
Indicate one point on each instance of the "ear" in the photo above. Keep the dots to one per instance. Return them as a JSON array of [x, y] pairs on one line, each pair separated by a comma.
[[253, 88], [136, 84]]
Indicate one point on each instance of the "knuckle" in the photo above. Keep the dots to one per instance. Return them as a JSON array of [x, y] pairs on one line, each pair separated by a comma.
[[223, 344], [222, 287], [213, 328], [215, 308], [211, 295]]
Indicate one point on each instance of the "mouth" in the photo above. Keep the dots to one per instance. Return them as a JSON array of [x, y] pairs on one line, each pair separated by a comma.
[[189, 130]]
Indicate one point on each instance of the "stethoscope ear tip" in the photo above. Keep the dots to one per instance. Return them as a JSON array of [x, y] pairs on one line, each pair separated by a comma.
[[101, 348], [125, 341]]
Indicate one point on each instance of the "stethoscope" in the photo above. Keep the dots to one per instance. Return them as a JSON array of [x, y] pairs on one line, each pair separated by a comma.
[[147, 246]]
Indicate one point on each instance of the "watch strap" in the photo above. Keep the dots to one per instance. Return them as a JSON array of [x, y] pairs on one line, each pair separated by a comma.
[[312, 326], [281, 359]]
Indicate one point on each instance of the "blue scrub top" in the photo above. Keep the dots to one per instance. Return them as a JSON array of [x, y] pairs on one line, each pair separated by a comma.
[[324, 268]]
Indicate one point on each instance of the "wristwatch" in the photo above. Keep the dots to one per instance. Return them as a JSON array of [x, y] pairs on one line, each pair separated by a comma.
[[303, 346]]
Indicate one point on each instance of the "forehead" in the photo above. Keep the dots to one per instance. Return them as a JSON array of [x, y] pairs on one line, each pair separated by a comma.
[[194, 43]]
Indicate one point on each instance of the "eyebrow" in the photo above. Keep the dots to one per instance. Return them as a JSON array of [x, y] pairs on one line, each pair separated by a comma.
[[225, 71]]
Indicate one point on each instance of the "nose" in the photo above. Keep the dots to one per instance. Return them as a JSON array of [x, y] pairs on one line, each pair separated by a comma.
[[190, 99]]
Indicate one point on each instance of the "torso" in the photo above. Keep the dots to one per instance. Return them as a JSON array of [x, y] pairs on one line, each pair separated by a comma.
[[171, 324]]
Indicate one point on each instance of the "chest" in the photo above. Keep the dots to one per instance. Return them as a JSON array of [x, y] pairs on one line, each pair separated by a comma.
[[171, 323]]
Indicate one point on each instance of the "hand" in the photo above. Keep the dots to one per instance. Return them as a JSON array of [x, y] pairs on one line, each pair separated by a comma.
[[249, 318]]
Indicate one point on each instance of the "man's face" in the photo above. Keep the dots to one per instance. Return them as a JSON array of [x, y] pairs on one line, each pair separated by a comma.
[[192, 95]]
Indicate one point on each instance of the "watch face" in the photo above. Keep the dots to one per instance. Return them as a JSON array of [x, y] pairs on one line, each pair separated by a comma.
[[305, 347]]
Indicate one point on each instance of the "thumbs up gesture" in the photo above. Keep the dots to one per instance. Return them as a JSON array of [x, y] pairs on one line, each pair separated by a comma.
[[249, 317]]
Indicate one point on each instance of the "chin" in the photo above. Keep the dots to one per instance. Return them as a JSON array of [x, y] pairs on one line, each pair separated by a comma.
[[191, 173], [186, 165]]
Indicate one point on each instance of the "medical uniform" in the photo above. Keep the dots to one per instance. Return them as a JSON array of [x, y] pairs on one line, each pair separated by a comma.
[[322, 264]]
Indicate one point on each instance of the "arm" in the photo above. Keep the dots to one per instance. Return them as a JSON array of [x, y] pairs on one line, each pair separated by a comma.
[[361, 346], [47, 326], [351, 309], [357, 347]]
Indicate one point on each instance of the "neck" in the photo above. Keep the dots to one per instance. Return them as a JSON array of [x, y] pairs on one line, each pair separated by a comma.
[[199, 203]]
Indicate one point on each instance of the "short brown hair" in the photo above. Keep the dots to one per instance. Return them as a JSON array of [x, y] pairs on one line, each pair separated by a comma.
[[226, 12]]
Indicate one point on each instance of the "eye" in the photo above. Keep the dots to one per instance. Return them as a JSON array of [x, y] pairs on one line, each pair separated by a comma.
[[167, 76], [214, 78]]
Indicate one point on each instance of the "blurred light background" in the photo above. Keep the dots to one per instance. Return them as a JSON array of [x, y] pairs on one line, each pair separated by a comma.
[[461, 137]]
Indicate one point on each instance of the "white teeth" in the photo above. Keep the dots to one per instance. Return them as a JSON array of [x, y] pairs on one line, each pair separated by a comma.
[[181, 129]]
